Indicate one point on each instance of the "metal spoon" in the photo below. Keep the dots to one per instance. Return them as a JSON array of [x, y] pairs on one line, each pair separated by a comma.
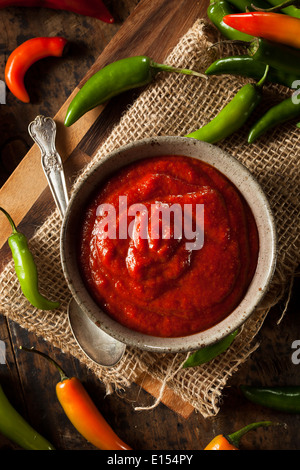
[[94, 342]]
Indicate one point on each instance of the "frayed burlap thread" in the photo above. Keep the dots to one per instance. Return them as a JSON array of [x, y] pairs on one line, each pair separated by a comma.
[[176, 105]]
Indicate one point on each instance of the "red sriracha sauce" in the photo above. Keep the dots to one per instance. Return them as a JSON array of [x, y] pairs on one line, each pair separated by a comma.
[[168, 279]]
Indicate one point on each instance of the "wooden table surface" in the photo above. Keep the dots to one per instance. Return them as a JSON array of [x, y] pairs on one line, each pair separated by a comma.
[[26, 379]]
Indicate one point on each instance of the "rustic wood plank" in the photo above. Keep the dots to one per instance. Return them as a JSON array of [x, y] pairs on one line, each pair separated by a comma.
[[169, 398]]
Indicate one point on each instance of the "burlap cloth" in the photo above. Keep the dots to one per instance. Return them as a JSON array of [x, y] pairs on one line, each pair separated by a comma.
[[176, 105]]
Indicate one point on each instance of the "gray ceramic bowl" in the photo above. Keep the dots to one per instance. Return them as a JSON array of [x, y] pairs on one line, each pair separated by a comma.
[[243, 180]]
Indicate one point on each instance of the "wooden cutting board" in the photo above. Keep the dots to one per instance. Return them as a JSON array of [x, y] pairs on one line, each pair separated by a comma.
[[153, 29]]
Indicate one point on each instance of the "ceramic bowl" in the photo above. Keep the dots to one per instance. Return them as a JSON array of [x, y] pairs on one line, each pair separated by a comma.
[[226, 164]]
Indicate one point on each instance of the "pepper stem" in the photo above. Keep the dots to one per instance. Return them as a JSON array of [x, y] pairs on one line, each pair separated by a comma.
[[235, 437], [169, 68], [13, 226], [253, 47], [63, 376], [263, 78], [286, 3]]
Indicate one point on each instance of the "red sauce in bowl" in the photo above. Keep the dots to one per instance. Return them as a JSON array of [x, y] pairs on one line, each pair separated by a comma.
[[164, 285]]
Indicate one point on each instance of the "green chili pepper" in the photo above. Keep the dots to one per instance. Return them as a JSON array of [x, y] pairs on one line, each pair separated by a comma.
[[115, 78], [247, 5], [26, 269], [216, 12], [284, 111], [279, 56], [278, 398], [246, 66], [233, 115], [210, 352], [17, 429], [288, 7]]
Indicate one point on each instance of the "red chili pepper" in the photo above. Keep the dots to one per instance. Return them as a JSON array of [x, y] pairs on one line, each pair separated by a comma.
[[82, 412], [275, 27], [24, 56], [93, 8]]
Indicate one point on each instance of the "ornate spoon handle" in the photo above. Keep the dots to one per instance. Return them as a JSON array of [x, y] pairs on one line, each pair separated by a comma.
[[43, 132]]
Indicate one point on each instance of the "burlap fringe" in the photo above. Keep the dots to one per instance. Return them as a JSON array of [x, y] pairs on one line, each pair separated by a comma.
[[177, 105]]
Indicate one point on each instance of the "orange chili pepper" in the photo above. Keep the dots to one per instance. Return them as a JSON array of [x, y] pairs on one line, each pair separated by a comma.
[[275, 27], [231, 441], [220, 442], [21, 59], [82, 412]]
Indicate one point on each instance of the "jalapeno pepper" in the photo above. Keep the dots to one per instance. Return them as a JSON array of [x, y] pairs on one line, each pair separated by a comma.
[[210, 352], [284, 111], [216, 12], [21, 59], [17, 429], [275, 27], [246, 66], [279, 56], [231, 441], [115, 78], [82, 412], [26, 269], [233, 115], [286, 399]]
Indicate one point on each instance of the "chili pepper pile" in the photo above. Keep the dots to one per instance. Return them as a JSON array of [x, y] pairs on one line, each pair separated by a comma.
[[273, 40]]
